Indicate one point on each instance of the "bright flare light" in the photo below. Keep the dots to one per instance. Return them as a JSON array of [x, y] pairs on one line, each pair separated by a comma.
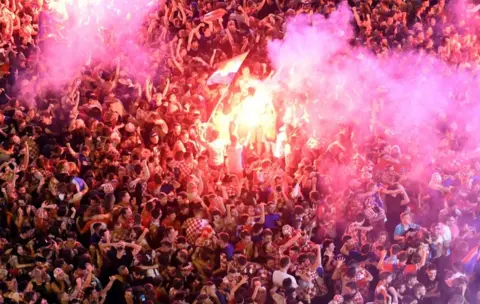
[[256, 109]]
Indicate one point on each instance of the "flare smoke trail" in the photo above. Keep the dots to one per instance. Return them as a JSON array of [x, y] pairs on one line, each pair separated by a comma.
[[407, 93], [93, 31]]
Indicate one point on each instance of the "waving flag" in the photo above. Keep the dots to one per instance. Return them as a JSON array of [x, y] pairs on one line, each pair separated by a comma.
[[227, 70]]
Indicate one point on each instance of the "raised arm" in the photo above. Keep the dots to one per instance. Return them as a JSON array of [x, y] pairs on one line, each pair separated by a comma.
[[117, 75], [212, 59], [262, 215], [146, 171], [26, 157], [318, 261], [71, 151], [406, 198], [382, 260], [167, 86], [243, 281], [136, 248], [260, 6], [182, 12], [148, 89], [190, 39], [290, 242], [337, 273]]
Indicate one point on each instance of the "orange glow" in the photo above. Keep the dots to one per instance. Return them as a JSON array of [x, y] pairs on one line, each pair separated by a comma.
[[256, 109], [249, 113]]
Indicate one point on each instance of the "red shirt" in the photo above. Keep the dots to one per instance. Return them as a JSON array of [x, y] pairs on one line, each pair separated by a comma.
[[410, 268]]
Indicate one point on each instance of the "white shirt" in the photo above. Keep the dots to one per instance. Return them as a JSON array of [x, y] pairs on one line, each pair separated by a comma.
[[279, 276], [280, 145], [235, 161], [216, 151], [223, 126]]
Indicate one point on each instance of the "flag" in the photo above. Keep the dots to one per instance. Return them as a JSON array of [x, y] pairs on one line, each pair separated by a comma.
[[227, 70], [470, 260]]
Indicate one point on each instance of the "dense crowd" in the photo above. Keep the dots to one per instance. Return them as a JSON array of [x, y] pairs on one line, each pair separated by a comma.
[[114, 190]]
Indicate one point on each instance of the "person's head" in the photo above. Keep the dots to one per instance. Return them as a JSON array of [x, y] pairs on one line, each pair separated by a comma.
[[184, 137], [450, 220], [382, 237], [129, 294], [284, 262], [195, 45], [20, 250], [386, 277], [231, 25], [395, 249], [351, 271], [177, 129], [271, 207], [380, 299], [329, 245], [186, 269], [270, 262], [171, 214], [154, 139], [126, 212], [124, 197], [348, 240], [246, 237], [457, 299], [304, 260], [96, 227], [257, 229], [360, 219], [351, 288], [406, 218], [123, 270], [431, 272], [419, 290], [400, 287]]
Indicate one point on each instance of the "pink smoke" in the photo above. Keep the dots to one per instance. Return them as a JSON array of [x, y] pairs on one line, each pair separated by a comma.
[[409, 91], [95, 32]]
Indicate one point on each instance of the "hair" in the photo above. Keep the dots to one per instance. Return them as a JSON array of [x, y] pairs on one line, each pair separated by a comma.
[[244, 233], [223, 236], [327, 243], [287, 283], [456, 299], [395, 249], [351, 271], [351, 285], [410, 276], [417, 287], [284, 261], [257, 228], [242, 260], [384, 275], [365, 249], [402, 256]]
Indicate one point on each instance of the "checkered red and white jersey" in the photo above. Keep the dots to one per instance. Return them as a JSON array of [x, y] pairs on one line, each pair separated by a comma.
[[193, 227]]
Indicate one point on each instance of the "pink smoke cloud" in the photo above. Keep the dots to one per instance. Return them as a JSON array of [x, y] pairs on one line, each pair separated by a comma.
[[92, 32], [408, 91]]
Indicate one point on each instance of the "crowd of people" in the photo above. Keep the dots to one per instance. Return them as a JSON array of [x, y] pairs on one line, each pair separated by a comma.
[[115, 191]]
